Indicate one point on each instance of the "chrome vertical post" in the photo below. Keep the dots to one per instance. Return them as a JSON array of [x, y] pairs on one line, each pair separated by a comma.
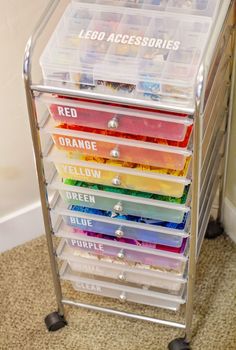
[[196, 171], [37, 150]]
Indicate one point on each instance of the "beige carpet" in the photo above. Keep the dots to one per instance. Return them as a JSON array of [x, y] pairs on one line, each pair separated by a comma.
[[26, 296]]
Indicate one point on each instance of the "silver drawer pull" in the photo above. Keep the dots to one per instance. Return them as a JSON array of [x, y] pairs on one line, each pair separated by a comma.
[[116, 181], [115, 153], [123, 297], [113, 123], [121, 254], [122, 276], [119, 233], [118, 208]]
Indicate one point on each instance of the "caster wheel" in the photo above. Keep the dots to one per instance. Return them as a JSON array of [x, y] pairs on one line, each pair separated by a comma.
[[179, 344], [54, 322], [214, 229]]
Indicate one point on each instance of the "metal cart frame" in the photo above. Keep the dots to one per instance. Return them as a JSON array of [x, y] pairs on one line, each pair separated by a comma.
[[34, 89]]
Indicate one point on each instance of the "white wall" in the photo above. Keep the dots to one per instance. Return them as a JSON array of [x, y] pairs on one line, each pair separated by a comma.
[[18, 184]]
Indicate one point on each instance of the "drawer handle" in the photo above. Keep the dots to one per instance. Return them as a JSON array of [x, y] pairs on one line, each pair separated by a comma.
[[121, 254], [115, 153], [123, 297], [118, 208], [113, 123], [116, 181], [119, 233], [122, 276]]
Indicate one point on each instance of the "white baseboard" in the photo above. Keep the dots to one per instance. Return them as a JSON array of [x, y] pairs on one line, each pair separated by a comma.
[[21, 226], [230, 219]]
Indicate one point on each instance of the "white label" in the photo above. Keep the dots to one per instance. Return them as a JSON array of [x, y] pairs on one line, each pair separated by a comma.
[[81, 221], [84, 172], [88, 286], [86, 245], [133, 40], [67, 112], [80, 197], [77, 143], [90, 269]]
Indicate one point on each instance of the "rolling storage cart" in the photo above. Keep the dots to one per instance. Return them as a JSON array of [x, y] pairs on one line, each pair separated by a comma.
[[130, 121]]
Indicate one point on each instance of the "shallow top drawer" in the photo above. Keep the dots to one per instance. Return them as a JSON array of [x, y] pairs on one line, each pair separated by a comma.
[[113, 117], [135, 52]]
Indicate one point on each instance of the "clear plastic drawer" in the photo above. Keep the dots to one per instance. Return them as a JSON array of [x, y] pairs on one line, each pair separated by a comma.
[[121, 174], [123, 202], [101, 286], [120, 271], [162, 259], [112, 117], [125, 227], [122, 148]]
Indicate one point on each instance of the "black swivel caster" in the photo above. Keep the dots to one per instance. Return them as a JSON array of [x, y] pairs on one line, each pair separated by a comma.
[[55, 321], [214, 229], [179, 344]]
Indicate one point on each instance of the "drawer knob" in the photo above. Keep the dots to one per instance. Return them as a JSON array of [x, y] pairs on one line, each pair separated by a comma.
[[123, 297], [113, 123], [116, 181], [119, 233], [122, 276], [121, 254], [115, 153], [118, 208]]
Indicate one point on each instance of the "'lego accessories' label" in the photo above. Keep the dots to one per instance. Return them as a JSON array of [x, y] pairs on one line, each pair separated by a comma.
[[127, 39]]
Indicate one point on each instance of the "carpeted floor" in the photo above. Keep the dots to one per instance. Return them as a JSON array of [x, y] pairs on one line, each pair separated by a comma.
[[26, 296]]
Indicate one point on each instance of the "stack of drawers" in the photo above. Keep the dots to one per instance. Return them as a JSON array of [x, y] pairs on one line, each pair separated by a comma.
[[123, 201], [122, 179]]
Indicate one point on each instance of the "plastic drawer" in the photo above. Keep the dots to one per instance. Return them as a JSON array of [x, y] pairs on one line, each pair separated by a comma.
[[94, 249], [125, 294], [122, 149], [122, 203], [161, 259], [123, 180], [120, 271], [116, 227], [121, 175], [144, 295], [139, 243], [111, 117], [151, 232], [125, 275]]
